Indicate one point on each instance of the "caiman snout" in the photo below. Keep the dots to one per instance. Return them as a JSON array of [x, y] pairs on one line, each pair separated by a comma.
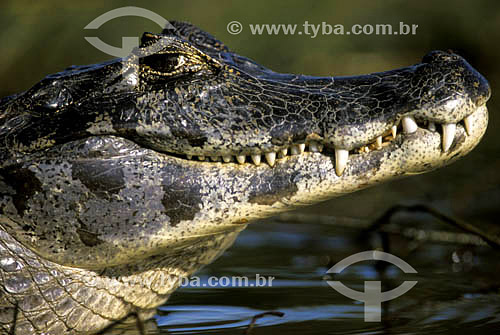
[[475, 85]]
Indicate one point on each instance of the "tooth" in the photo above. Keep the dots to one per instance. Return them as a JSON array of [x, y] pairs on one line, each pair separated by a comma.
[[271, 158], [241, 159], [226, 159], [302, 147], [189, 156], [448, 135], [256, 159], [298, 149], [341, 157], [432, 126], [313, 147], [394, 131], [320, 147], [409, 124], [215, 158], [201, 158], [468, 124], [378, 143], [284, 152]]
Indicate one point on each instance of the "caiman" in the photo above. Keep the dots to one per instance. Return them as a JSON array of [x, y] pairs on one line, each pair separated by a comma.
[[119, 179]]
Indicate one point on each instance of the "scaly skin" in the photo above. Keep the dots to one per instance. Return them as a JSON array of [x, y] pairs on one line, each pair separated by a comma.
[[103, 209]]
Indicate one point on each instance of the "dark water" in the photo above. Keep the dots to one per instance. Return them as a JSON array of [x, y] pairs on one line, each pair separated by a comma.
[[457, 290]]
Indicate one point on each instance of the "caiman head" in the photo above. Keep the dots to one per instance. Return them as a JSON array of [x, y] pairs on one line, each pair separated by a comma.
[[113, 163]]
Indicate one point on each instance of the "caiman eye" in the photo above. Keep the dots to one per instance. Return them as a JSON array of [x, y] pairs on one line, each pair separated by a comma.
[[167, 56], [168, 64]]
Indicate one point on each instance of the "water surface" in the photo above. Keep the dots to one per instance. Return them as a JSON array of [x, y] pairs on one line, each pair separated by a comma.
[[457, 290]]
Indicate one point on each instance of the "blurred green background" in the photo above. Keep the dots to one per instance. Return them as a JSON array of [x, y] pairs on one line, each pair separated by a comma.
[[39, 38]]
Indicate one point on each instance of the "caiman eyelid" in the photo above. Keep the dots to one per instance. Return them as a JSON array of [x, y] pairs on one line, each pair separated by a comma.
[[163, 64], [176, 62]]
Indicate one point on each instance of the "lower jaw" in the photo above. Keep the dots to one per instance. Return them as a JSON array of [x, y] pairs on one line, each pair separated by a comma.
[[408, 154], [424, 151], [294, 181]]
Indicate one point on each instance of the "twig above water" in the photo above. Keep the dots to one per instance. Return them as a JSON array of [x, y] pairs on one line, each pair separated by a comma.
[[248, 331], [473, 235]]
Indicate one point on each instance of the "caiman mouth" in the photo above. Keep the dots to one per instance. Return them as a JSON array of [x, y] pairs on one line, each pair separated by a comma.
[[407, 125]]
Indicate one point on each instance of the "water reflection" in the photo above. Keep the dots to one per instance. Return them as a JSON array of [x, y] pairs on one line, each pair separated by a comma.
[[446, 297]]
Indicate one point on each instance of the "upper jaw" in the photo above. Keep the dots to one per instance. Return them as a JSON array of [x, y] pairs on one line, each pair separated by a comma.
[[454, 101], [449, 90], [451, 138]]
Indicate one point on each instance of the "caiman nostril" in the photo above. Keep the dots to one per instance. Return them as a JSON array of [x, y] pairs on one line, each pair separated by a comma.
[[439, 56], [475, 86], [481, 90]]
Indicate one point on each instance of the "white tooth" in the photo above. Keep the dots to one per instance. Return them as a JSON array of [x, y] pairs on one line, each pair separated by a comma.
[[189, 156], [448, 135], [226, 159], [313, 147], [284, 152], [294, 150], [271, 158], [241, 159], [378, 143], [201, 158], [468, 124], [432, 126], [341, 157], [409, 124], [256, 159], [302, 147], [394, 131], [215, 158]]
